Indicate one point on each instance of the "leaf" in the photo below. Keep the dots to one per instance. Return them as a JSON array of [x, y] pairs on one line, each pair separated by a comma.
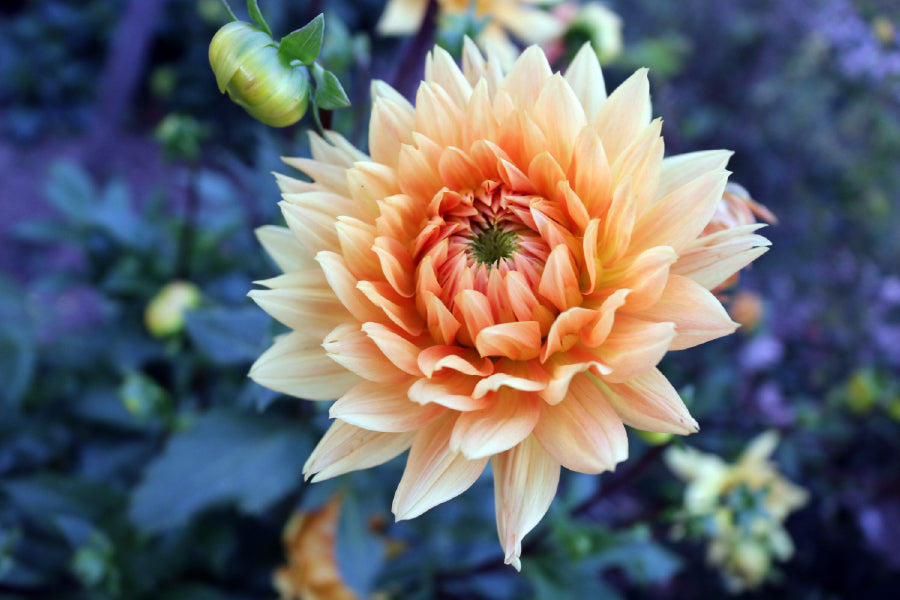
[[228, 336], [304, 44], [250, 460], [18, 353], [228, 11], [256, 15], [71, 191], [554, 578], [329, 93]]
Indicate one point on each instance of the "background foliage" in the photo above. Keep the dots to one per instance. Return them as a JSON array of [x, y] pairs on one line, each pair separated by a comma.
[[138, 467]]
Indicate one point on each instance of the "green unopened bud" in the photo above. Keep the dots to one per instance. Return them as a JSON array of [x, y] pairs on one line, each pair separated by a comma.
[[165, 312], [654, 438], [249, 68]]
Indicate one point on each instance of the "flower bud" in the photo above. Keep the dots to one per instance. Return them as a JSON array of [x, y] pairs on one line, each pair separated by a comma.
[[248, 67], [165, 312]]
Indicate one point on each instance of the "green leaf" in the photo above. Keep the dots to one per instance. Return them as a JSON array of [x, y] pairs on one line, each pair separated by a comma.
[[228, 336], [303, 44], [256, 15], [71, 191], [330, 93], [246, 459]]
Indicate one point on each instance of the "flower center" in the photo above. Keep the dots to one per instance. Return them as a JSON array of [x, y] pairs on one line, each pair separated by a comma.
[[492, 245]]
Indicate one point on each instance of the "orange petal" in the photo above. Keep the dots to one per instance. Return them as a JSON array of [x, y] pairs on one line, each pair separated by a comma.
[[437, 116], [298, 367], [520, 340], [562, 367], [560, 116], [696, 313], [474, 311], [346, 448], [646, 276], [480, 123], [526, 376], [356, 239], [619, 225], [458, 171], [418, 176], [508, 419], [583, 432], [396, 264], [559, 283], [590, 175], [464, 360], [634, 346], [525, 481], [649, 402], [448, 388], [398, 309], [442, 325], [344, 283], [434, 473], [440, 68], [566, 330], [383, 407]]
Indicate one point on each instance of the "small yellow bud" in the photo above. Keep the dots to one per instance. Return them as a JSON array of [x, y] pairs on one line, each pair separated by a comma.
[[653, 438], [165, 312], [248, 67], [862, 391]]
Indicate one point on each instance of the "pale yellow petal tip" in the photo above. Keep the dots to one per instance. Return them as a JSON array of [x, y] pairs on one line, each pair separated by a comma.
[[513, 560]]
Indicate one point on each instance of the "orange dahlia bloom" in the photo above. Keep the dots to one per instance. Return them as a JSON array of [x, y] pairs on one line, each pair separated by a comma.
[[498, 281]]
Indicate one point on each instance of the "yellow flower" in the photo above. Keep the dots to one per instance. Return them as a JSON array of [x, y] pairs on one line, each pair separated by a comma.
[[311, 572], [527, 22], [497, 282], [744, 554], [164, 315]]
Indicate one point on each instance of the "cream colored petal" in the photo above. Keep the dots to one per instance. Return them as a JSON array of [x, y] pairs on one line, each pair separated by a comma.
[[458, 171], [525, 481], [351, 152], [440, 68], [325, 152], [624, 115], [531, 25], [311, 308], [527, 77], [677, 219], [650, 403], [311, 225], [400, 351], [348, 345], [402, 17], [369, 183], [683, 168], [619, 225], [346, 448], [480, 122], [520, 340], [434, 473], [583, 432], [384, 407], [633, 347], [509, 418], [473, 63], [586, 78], [284, 248], [291, 185], [391, 123], [712, 259], [559, 114], [697, 315], [332, 178], [298, 368], [641, 161]]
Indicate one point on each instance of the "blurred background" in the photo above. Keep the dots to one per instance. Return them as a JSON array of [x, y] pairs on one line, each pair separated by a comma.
[[138, 461]]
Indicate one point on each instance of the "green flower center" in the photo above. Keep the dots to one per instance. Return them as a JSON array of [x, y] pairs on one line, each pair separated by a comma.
[[492, 245]]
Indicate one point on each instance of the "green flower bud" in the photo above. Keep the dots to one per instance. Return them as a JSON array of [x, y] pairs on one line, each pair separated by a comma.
[[248, 67], [164, 315]]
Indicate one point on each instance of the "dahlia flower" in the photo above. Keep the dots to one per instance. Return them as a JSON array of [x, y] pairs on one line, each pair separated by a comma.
[[742, 548], [497, 281], [522, 18]]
